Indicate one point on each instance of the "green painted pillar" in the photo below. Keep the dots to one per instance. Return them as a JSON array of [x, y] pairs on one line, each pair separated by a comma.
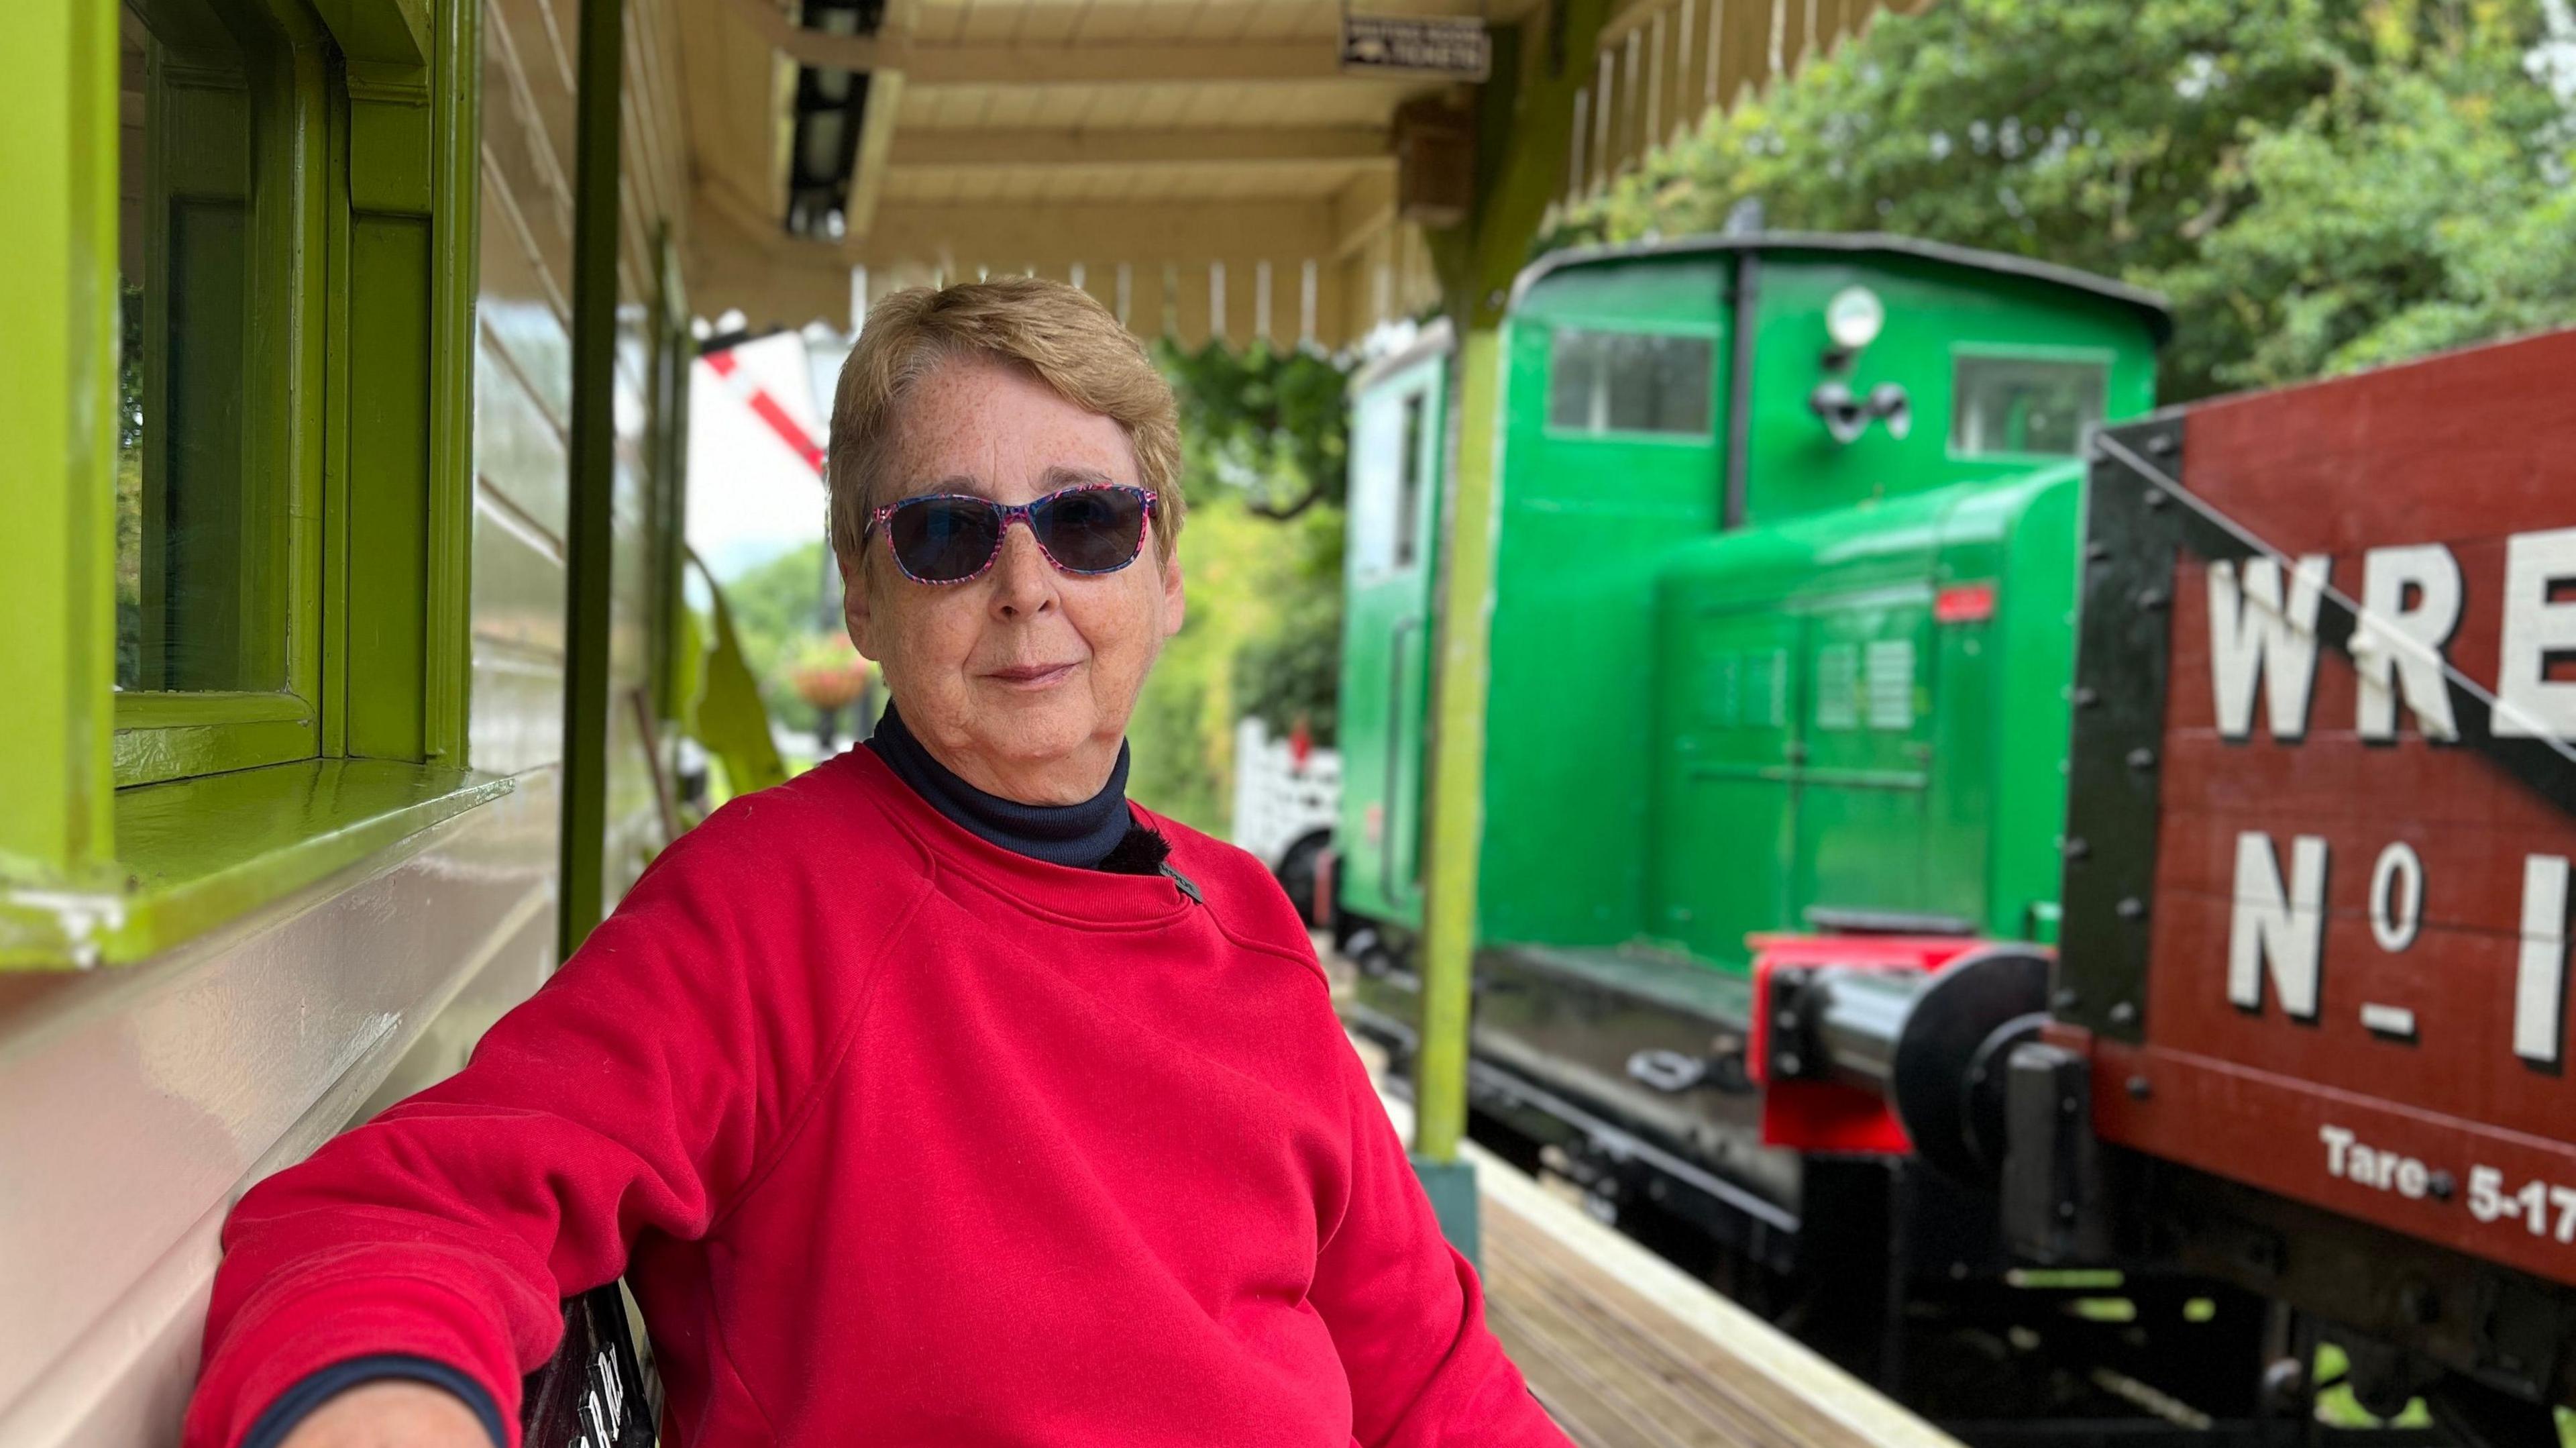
[[58, 295], [1524, 132], [1457, 794], [590, 532], [1458, 766]]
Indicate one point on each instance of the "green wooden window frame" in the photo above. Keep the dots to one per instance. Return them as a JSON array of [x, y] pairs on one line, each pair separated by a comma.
[[1387, 535], [1963, 356], [226, 302], [1562, 333], [339, 138], [333, 368]]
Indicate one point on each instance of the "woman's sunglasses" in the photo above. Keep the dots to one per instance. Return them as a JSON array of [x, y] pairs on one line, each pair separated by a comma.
[[954, 537]]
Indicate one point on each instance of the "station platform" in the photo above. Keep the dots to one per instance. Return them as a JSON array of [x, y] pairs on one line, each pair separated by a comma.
[[1626, 1350]]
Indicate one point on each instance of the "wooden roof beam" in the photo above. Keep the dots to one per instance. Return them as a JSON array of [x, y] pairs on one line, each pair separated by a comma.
[[1174, 63], [967, 149], [1362, 210], [876, 127], [1007, 237], [1152, 63]]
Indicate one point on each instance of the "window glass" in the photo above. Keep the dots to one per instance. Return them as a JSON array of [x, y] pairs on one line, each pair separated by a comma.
[[1600, 382], [131, 152], [1376, 433], [1408, 491], [197, 592], [2024, 405]]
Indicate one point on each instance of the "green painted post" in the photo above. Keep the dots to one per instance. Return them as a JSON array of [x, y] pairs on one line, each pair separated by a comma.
[[58, 299], [1525, 125], [591, 524], [1457, 797], [1458, 764], [673, 352]]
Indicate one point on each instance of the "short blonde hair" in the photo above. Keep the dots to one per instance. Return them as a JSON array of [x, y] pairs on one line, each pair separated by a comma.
[[1058, 334]]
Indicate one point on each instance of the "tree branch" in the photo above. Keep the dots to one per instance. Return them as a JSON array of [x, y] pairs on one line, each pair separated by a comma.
[[1277, 514]]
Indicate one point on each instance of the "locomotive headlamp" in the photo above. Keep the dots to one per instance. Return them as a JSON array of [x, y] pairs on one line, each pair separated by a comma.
[[1853, 318]]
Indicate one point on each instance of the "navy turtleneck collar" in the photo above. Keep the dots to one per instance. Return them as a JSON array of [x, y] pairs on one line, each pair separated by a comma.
[[1080, 835]]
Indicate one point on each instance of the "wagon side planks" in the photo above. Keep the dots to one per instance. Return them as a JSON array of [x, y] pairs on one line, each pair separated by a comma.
[[2324, 796]]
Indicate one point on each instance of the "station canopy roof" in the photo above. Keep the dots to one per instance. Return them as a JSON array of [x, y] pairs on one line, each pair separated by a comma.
[[1205, 167]]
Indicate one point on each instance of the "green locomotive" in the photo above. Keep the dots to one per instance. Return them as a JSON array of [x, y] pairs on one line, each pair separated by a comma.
[[1785, 569], [1747, 675]]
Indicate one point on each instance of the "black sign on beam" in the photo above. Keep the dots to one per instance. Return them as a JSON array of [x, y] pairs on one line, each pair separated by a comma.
[[1456, 47]]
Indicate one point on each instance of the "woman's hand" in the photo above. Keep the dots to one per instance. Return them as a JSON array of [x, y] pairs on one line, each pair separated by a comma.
[[391, 1414]]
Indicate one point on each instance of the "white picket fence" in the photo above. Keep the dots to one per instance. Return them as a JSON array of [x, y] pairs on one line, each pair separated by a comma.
[[1275, 800]]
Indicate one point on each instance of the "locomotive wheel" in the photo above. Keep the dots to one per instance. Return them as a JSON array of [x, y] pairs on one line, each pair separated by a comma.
[[1298, 872]]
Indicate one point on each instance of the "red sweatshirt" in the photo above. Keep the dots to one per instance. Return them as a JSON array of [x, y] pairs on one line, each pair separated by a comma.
[[899, 1138]]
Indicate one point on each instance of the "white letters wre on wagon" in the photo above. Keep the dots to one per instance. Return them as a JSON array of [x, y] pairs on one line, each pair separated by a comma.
[[2262, 633]]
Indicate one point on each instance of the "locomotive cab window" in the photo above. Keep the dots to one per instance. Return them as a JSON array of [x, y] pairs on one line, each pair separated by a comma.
[[1408, 484], [2009, 406], [1603, 382], [1389, 470]]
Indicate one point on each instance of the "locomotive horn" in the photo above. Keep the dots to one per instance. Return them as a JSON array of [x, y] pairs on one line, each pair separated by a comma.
[[1846, 416], [1931, 1044]]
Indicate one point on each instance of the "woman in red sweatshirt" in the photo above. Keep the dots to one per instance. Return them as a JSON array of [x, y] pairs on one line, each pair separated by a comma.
[[941, 1096]]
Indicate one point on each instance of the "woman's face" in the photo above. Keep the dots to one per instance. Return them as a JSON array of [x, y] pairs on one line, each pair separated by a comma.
[[1021, 680]]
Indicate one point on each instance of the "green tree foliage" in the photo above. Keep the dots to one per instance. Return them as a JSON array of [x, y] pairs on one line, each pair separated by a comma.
[[780, 616], [129, 486], [2422, 203], [1267, 424], [1264, 452], [1292, 673], [1256, 587], [2317, 184]]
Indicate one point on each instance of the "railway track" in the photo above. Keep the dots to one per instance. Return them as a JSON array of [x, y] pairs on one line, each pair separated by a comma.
[[1628, 1351]]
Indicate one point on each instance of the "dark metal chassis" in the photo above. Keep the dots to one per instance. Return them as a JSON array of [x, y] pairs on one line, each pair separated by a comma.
[[1901, 1274]]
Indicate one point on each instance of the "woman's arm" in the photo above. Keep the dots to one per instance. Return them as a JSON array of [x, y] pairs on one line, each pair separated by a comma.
[[628, 1095], [391, 1415], [1407, 1312]]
